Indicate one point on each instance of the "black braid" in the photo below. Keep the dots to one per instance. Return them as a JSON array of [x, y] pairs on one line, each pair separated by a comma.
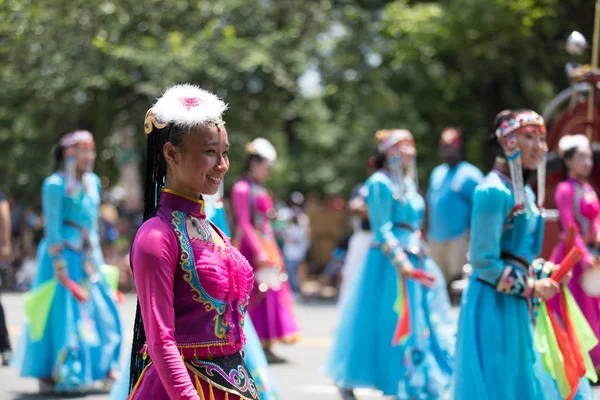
[[156, 172]]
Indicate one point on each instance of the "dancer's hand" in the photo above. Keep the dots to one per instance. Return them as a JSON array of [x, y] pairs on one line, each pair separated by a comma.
[[61, 275], [406, 269], [545, 288], [567, 278]]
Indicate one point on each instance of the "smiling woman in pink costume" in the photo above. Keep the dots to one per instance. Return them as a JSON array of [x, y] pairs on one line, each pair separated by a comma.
[[271, 305], [193, 286], [579, 206]]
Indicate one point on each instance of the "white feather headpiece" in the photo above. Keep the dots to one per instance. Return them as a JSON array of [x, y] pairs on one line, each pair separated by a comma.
[[187, 106], [263, 148], [569, 142]]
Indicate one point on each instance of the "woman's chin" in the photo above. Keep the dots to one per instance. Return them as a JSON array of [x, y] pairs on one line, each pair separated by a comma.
[[210, 189]]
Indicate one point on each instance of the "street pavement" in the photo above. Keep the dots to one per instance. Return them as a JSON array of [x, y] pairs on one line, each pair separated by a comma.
[[300, 379]]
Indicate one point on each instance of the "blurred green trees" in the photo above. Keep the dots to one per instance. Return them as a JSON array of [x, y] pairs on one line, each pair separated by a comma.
[[315, 77]]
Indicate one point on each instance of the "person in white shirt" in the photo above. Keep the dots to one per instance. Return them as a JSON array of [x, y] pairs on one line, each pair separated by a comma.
[[295, 246]]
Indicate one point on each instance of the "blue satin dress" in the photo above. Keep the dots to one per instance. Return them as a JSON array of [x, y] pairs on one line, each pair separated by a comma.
[[362, 354], [81, 341], [495, 355]]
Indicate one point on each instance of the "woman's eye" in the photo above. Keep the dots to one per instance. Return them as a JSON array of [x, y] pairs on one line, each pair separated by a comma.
[[211, 151], [225, 154]]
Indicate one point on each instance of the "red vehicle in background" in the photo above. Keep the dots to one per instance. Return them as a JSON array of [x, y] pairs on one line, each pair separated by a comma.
[[575, 110]]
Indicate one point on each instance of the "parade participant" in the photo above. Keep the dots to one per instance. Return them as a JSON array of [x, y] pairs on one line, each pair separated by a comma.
[[5, 258], [271, 304], [579, 206], [81, 340], [362, 354], [495, 354], [193, 285], [449, 201], [295, 248], [253, 352]]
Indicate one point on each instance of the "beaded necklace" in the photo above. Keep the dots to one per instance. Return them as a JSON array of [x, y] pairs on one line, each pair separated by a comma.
[[203, 227], [198, 218]]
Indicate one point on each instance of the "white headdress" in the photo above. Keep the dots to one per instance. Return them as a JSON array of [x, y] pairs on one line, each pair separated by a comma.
[[68, 143], [186, 106], [263, 148], [570, 142], [386, 140]]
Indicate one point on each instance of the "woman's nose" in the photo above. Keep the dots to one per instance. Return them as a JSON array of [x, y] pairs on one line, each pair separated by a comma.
[[221, 164]]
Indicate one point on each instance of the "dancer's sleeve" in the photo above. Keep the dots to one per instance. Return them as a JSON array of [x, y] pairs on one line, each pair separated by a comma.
[[53, 193], [491, 205], [240, 202], [564, 197], [154, 259], [380, 200]]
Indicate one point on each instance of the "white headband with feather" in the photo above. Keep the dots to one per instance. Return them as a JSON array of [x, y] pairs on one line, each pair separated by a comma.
[[187, 106], [263, 148], [570, 142]]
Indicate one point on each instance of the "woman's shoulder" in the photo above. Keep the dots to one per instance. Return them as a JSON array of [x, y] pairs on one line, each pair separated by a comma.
[[492, 187], [55, 180], [379, 178], [241, 186], [154, 233]]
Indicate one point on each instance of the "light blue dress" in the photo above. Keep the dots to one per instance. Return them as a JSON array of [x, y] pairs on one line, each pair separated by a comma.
[[254, 354], [81, 341], [495, 356], [362, 355]]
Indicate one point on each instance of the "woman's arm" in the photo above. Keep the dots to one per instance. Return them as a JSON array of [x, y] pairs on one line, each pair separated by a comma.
[[154, 258], [53, 191], [240, 202], [380, 206], [564, 197], [490, 209]]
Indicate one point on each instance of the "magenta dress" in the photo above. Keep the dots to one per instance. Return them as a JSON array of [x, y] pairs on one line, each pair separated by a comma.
[[578, 205], [271, 307], [193, 296]]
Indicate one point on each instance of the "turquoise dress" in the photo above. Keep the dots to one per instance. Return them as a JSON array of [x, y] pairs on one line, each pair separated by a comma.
[[81, 341], [362, 355], [254, 355], [495, 356]]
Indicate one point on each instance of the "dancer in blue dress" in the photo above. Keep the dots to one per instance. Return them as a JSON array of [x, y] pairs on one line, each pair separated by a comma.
[[362, 355], [81, 340], [254, 355], [495, 355]]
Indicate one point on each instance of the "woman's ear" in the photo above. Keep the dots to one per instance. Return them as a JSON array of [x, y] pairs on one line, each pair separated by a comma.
[[170, 153]]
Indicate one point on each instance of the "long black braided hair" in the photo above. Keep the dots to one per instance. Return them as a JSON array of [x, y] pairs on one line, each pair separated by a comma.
[[156, 173]]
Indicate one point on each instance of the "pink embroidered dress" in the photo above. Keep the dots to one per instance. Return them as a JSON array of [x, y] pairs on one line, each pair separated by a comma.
[[271, 305], [578, 205], [193, 296]]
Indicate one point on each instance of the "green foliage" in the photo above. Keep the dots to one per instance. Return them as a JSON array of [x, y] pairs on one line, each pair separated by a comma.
[[99, 64]]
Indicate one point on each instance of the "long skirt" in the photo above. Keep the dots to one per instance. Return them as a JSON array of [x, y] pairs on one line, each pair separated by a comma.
[[362, 355], [81, 340], [495, 355]]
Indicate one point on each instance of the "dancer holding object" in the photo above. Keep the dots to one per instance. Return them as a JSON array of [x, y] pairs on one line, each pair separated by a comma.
[[414, 361]]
